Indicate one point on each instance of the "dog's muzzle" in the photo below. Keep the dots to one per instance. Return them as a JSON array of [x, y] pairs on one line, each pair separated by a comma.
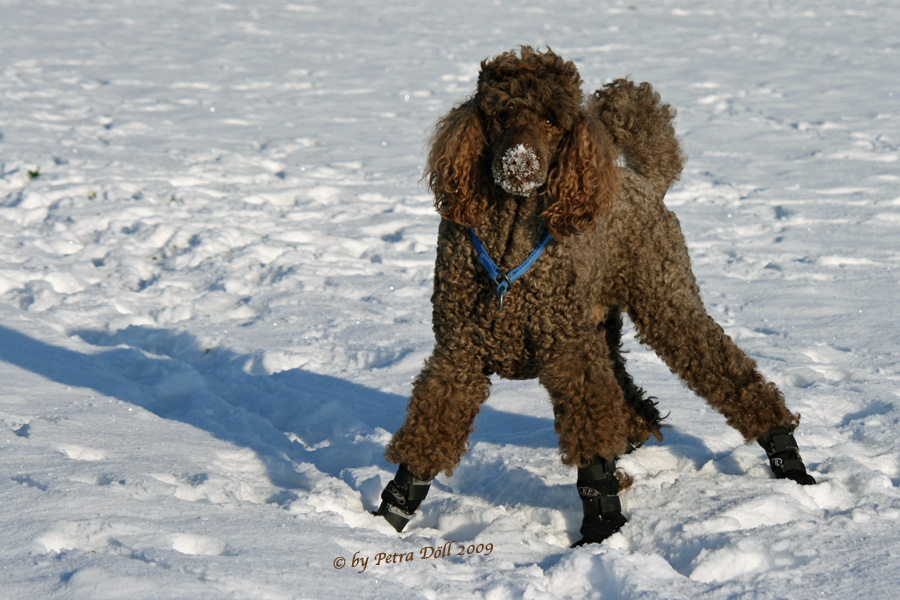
[[518, 170]]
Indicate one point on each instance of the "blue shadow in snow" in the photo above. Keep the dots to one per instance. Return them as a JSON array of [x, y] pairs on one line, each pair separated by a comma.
[[286, 418]]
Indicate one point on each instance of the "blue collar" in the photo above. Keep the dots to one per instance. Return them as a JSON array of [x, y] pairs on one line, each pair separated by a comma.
[[504, 280]]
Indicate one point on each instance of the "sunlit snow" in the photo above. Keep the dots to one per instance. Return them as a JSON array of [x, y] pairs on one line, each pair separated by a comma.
[[210, 319]]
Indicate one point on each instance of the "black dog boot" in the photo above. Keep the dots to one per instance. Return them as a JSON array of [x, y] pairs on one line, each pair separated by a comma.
[[598, 488], [784, 456], [402, 497]]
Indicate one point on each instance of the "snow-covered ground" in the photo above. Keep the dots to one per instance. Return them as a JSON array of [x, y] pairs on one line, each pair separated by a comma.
[[215, 266]]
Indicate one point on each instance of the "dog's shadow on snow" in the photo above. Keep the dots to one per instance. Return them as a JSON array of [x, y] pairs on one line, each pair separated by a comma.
[[287, 418]]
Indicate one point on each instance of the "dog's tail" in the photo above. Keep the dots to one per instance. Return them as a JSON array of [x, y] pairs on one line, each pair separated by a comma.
[[641, 128]]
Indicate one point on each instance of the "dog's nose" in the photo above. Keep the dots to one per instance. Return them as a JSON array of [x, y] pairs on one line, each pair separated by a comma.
[[519, 170]]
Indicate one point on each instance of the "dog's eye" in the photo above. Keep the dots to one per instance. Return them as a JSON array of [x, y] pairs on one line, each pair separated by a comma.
[[504, 116], [549, 124]]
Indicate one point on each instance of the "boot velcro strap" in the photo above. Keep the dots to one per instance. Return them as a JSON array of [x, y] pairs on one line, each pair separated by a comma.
[[397, 511], [393, 495], [591, 508], [608, 486], [418, 490], [786, 466], [597, 471], [595, 503], [610, 505], [782, 442]]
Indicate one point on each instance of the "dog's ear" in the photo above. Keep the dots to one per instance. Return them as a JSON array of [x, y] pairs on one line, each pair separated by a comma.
[[456, 170], [582, 184]]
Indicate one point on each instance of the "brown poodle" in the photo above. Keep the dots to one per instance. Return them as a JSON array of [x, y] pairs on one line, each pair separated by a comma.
[[525, 159]]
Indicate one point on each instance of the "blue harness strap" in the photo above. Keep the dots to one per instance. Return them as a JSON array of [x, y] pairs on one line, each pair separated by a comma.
[[505, 280]]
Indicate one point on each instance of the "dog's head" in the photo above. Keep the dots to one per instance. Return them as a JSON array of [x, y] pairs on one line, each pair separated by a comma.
[[523, 133]]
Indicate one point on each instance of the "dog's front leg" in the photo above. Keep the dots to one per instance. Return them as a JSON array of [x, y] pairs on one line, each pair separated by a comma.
[[441, 413], [445, 400]]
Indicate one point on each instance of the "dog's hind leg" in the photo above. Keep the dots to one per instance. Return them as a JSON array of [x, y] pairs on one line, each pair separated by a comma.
[[644, 418], [593, 426], [662, 298], [650, 275], [588, 402]]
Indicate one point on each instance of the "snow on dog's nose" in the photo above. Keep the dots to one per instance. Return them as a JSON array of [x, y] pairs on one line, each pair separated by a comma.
[[518, 171]]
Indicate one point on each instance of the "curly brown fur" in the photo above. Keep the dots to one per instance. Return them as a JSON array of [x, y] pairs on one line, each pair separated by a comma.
[[642, 128], [526, 154], [535, 98]]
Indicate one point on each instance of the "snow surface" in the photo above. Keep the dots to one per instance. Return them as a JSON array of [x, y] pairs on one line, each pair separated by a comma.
[[215, 266]]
